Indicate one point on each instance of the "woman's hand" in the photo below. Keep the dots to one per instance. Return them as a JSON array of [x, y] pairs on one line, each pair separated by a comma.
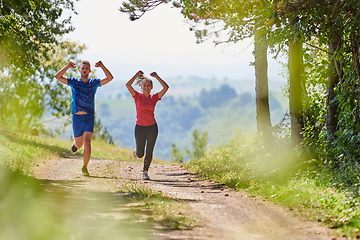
[[139, 73], [154, 74]]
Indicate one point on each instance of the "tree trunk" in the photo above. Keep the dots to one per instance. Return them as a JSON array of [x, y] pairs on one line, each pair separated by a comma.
[[261, 85], [335, 74], [355, 50], [296, 90]]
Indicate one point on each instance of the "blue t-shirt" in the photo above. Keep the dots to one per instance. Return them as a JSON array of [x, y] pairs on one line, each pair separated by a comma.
[[83, 94]]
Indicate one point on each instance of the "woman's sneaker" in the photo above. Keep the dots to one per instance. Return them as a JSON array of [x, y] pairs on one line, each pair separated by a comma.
[[73, 149], [146, 176], [85, 171]]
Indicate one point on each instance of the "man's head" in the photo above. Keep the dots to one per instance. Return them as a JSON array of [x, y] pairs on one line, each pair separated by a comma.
[[85, 69]]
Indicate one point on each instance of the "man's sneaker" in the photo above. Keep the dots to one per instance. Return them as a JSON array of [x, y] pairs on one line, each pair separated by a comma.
[[146, 176], [85, 171], [73, 149], [134, 154]]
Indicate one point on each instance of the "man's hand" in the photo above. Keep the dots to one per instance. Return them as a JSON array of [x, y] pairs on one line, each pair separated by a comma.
[[71, 65], [60, 74], [99, 64], [108, 75]]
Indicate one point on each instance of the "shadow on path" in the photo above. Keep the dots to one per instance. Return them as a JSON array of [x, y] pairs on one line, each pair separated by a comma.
[[93, 214]]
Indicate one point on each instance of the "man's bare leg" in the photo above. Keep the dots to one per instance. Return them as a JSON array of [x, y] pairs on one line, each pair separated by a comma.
[[87, 147], [85, 140], [78, 141]]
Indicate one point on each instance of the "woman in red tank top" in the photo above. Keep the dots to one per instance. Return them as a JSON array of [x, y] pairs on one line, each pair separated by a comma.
[[146, 129]]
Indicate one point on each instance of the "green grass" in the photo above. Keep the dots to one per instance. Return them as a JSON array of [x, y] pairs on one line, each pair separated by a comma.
[[280, 176], [34, 209], [22, 152], [172, 214], [243, 163], [20, 205]]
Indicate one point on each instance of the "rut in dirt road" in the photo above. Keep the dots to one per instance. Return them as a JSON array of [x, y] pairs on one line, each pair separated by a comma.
[[224, 213]]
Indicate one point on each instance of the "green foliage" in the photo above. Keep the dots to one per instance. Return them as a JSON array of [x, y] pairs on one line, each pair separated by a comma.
[[137, 8], [339, 153], [242, 159], [20, 201], [178, 117], [31, 50], [21, 152], [283, 175], [25, 96], [60, 213], [198, 144], [176, 155], [225, 21], [166, 211], [101, 133], [29, 30], [318, 25]]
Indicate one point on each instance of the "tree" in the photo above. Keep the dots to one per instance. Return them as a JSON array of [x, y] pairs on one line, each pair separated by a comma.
[[31, 28], [198, 144], [300, 29], [101, 132], [330, 27], [261, 85], [176, 155], [335, 75], [296, 90], [26, 95], [239, 20], [30, 33]]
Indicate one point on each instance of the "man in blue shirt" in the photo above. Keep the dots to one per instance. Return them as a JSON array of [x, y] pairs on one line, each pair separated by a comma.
[[83, 91]]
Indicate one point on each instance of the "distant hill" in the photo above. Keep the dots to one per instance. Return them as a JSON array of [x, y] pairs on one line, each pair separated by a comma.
[[221, 107], [190, 86]]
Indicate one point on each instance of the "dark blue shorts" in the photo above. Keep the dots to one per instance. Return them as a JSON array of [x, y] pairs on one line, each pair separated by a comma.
[[82, 123]]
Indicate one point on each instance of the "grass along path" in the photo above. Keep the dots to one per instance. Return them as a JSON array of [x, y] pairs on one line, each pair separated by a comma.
[[201, 209], [206, 210]]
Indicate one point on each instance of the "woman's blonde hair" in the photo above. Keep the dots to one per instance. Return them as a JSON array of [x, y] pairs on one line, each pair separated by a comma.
[[141, 79]]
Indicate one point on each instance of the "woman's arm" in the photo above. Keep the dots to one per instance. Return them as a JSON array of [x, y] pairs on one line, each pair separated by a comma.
[[131, 81], [162, 82]]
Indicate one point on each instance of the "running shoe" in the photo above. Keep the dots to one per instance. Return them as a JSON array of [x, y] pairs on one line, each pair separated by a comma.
[[146, 176], [85, 171], [73, 149]]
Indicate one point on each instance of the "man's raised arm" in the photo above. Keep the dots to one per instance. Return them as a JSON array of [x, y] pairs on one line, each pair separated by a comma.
[[108, 75], [60, 74]]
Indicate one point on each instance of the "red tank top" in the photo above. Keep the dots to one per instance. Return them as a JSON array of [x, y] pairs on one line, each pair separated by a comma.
[[145, 108]]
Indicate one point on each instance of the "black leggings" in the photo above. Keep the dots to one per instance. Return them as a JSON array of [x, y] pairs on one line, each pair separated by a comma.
[[145, 135]]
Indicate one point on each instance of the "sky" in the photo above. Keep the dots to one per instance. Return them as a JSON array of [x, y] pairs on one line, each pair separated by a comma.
[[159, 41]]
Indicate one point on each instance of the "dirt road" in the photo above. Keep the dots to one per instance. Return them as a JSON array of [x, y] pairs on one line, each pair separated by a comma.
[[224, 213]]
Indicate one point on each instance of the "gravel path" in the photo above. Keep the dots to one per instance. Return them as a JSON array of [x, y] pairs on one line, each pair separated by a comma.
[[224, 213]]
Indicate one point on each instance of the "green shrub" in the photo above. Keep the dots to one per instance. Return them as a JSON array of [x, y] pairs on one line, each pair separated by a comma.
[[290, 177]]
